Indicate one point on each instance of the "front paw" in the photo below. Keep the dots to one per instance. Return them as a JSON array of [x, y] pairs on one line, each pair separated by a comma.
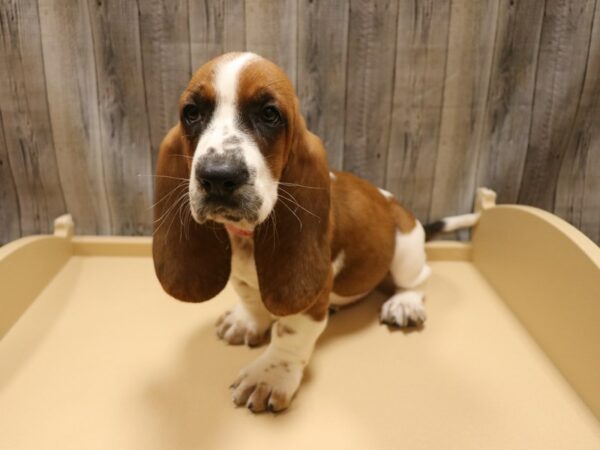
[[237, 327], [404, 309], [268, 383]]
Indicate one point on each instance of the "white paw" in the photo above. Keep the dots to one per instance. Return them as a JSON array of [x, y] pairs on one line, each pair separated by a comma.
[[238, 326], [270, 382], [403, 309]]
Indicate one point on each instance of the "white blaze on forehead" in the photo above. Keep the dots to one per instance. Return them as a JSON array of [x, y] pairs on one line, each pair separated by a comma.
[[227, 76]]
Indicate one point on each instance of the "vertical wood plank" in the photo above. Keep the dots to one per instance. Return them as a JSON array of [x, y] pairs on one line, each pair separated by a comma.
[[369, 87], [73, 102], [271, 31], [322, 51], [216, 27], [24, 110], [10, 228], [123, 115], [234, 23], [560, 73], [578, 188], [509, 109], [421, 52], [165, 37], [470, 50]]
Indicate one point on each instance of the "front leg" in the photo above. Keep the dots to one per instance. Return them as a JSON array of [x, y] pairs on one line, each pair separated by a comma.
[[273, 378], [248, 322]]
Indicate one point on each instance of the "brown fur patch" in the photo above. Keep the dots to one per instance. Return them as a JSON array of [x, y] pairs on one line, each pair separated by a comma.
[[404, 219], [261, 78], [320, 308], [364, 231]]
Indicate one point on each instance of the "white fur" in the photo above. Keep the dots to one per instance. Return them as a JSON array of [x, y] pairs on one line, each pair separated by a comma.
[[275, 376], [279, 369], [341, 300], [386, 194], [404, 308], [249, 320], [243, 268], [409, 264], [338, 263], [247, 323], [454, 223], [224, 123], [409, 270]]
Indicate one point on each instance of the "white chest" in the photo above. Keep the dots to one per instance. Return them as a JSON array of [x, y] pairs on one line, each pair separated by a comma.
[[243, 267]]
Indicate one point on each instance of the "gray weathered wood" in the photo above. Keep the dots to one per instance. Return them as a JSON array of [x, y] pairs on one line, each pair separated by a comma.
[[123, 115], [271, 31], [322, 51], [369, 87], [508, 113], [234, 26], [10, 227], [216, 27], [421, 52], [165, 37], [427, 98], [73, 101], [578, 188], [560, 73], [470, 50], [24, 110]]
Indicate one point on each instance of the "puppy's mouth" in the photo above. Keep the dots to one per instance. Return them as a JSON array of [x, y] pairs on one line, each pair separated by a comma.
[[240, 210]]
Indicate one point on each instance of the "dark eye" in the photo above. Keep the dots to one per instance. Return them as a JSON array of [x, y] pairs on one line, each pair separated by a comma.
[[191, 113], [270, 115]]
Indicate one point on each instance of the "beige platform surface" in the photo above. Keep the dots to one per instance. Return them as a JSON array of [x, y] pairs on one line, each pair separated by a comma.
[[104, 359]]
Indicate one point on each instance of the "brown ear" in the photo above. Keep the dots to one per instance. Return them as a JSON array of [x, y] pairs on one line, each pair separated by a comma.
[[192, 261], [291, 248]]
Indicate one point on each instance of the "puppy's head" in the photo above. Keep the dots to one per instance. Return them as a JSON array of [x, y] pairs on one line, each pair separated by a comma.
[[238, 114], [243, 153]]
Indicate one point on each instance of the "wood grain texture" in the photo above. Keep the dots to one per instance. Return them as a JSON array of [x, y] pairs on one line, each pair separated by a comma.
[[470, 51], [216, 27], [508, 113], [10, 227], [73, 101], [234, 26], [578, 188], [421, 52], [165, 38], [272, 31], [322, 52], [24, 110], [427, 98], [123, 115], [369, 87], [560, 73]]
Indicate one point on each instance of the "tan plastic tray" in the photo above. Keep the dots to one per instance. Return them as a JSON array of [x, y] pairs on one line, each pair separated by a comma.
[[94, 355]]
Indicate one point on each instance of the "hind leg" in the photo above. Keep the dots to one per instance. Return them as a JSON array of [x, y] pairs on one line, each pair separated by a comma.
[[409, 271]]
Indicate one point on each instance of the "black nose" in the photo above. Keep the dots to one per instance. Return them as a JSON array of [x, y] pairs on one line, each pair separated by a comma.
[[221, 178]]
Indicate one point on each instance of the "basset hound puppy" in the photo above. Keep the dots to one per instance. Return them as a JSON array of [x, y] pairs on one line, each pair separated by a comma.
[[244, 195]]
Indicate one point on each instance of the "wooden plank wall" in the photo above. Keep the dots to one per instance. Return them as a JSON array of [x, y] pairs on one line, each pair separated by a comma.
[[427, 98]]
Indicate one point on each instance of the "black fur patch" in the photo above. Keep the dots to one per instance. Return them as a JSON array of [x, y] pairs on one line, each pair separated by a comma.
[[434, 228]]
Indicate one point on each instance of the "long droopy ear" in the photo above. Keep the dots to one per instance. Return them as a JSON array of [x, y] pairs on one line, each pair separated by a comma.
[[291, 248], [192, 261]]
